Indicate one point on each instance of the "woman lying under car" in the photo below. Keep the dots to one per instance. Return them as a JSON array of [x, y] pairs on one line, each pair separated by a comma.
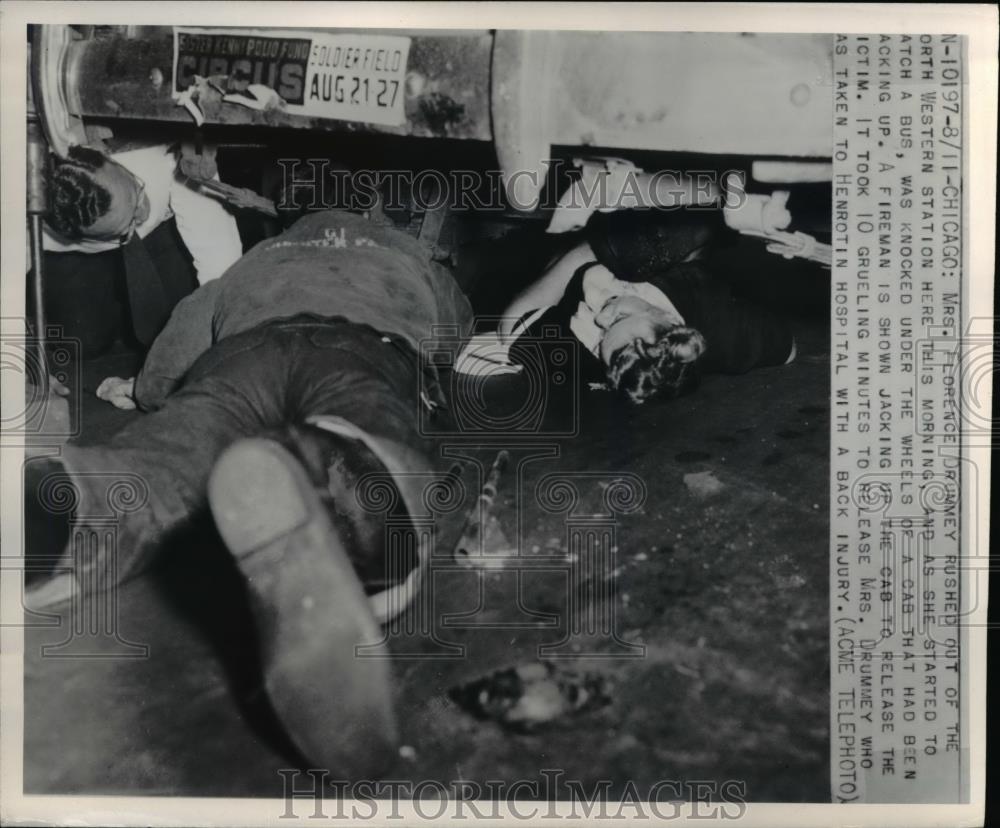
[[655, 299]]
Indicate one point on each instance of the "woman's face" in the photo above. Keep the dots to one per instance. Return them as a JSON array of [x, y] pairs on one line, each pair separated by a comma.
[[628, 318], [129, 204]]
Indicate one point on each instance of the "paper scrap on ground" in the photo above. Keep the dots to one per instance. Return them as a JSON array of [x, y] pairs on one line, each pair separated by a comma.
[[486, 355], [703, 484], [530, 695]]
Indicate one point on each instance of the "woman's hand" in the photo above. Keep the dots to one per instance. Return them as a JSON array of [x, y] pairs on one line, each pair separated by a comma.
[[754, 213], [119, 392]]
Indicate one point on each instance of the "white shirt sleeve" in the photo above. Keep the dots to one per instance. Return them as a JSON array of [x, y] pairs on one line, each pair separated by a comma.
[[209, 231]]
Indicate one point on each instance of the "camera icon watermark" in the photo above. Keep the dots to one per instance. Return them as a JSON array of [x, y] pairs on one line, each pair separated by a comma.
[[527, 386], [48, 412]]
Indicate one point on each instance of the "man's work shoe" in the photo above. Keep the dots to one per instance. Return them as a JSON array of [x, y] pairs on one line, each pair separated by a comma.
[[46, 535], [311, 611]]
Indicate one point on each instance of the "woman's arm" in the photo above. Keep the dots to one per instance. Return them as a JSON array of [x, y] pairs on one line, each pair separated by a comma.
[[547, 290]]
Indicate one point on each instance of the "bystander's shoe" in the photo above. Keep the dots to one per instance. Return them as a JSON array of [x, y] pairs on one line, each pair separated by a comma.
[[46, 532], [326, 671]]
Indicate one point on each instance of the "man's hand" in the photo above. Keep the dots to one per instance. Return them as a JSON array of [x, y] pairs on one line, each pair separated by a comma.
[[57, 388], [119, 392]]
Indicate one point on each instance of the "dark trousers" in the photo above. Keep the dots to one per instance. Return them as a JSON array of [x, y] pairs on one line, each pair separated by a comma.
[[85, 293], [151, 477]]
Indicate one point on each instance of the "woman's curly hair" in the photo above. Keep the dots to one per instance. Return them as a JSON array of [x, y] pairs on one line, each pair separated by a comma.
[[667, 369], [77, 199]]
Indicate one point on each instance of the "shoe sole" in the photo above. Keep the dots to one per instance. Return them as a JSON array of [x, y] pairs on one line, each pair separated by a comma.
[[311, 611]]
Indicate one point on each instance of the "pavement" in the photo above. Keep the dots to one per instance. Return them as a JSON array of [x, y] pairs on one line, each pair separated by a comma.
[[673, 556]]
